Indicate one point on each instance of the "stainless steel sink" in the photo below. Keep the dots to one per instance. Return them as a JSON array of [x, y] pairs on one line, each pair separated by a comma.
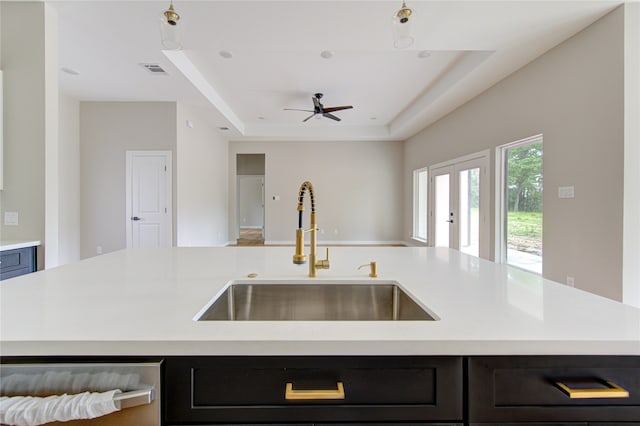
[[314, 301]]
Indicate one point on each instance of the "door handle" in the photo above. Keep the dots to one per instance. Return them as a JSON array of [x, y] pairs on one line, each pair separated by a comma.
[[135, 218], [450, 221]]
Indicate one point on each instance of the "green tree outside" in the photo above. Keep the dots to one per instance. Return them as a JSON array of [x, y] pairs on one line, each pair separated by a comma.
[[524, 198]]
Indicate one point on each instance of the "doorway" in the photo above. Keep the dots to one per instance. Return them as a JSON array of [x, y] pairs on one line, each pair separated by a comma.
[[148, 199], [250, 195], [460, 205]]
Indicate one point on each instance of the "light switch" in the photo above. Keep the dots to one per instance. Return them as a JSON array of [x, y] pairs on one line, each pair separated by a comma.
[[565, 192], [11, 218]]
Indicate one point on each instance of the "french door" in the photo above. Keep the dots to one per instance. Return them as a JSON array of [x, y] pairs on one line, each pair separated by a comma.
[[460, 205]]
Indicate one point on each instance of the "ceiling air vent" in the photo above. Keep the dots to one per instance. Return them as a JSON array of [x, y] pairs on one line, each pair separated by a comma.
[[154, 68]]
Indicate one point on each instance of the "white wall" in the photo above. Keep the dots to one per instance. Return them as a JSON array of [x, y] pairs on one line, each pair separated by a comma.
[[69, 180], [107, 131], [52, 160], [23, 39], [631, 246], [358, 189], [202, 187], [574, 95]]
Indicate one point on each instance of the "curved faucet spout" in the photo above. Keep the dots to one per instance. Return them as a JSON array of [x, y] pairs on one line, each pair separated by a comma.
[[306, 185], [299, 256]]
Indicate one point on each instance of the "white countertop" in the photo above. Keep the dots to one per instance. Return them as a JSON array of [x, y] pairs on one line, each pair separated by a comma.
[[142, 302], [17, 244]]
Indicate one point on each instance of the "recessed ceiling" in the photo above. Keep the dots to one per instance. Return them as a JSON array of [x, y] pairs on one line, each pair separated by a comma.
[[243, 62]]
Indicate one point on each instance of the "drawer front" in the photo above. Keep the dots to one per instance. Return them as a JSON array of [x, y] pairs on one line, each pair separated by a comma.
[[253, 389], [16, 262], [529, 389]]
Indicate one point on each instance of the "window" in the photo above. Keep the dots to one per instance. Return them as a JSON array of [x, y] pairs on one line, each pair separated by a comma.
[[420, 184], [520, 212]]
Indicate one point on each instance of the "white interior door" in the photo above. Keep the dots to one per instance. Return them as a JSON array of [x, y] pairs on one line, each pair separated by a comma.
[[460, 206], [148, 196]]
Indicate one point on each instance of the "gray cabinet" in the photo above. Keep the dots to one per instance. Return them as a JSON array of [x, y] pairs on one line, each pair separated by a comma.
[[17, 262]]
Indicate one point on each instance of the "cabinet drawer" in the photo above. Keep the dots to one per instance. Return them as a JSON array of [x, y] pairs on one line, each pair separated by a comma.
[[16, 262], [530, 388], [254, 389]]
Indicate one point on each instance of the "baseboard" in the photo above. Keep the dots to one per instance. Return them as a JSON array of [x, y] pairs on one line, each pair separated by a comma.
[[251, 227]]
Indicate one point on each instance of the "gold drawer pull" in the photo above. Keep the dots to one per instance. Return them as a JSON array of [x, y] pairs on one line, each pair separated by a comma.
[[613, 391], [291, 393]]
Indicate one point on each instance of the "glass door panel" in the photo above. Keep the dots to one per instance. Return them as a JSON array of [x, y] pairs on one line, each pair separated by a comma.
[[469, 211], [443, 214]]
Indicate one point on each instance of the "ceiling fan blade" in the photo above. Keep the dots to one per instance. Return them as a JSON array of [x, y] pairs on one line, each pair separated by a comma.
[[305, 120], [338, 108], [331, 116], [295, 109]]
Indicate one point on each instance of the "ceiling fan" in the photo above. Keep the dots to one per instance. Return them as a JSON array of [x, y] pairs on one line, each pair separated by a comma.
[[318, 108]]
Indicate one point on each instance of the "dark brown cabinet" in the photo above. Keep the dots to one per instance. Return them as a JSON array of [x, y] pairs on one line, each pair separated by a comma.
[[536, 389], [408, 390], [313, 390]]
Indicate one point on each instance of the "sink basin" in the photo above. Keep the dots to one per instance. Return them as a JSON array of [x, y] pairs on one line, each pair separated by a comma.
[[314, 301]]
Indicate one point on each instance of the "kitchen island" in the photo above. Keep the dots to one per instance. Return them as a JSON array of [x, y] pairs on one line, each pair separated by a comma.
[[503, 347], [143, 302]]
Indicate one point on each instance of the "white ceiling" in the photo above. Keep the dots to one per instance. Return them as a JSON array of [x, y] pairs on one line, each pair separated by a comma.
[[276, 62]]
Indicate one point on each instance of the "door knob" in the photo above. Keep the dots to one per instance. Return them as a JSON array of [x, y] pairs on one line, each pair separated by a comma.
[[135, 218]]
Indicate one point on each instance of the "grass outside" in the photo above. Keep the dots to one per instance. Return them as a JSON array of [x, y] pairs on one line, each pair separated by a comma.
[[525, 224], [525, 232]]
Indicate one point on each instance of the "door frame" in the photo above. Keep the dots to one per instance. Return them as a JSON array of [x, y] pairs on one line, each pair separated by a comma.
[[481, 160], [129, 191]]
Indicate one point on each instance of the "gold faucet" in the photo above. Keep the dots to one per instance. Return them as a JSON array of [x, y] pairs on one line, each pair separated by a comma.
[[299, 257]]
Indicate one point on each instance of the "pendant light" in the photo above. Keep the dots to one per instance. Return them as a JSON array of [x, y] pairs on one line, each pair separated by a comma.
[[169, 28], [402, 23]]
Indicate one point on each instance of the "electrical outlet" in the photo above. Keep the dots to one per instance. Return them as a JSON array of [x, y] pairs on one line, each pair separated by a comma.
[[98, 249], [571, 282]]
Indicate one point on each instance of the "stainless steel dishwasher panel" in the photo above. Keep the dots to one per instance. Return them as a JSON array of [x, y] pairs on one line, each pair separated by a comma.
[[139, 382]]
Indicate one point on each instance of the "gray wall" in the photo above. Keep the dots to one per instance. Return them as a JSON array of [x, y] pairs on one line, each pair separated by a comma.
[[573, 95], [250, 164], [25, 107], [358, 189], [107, 131], [631, 245]]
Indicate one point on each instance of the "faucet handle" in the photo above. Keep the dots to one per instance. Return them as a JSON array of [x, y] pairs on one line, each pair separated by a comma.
[[324, 263], [374, 269]]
